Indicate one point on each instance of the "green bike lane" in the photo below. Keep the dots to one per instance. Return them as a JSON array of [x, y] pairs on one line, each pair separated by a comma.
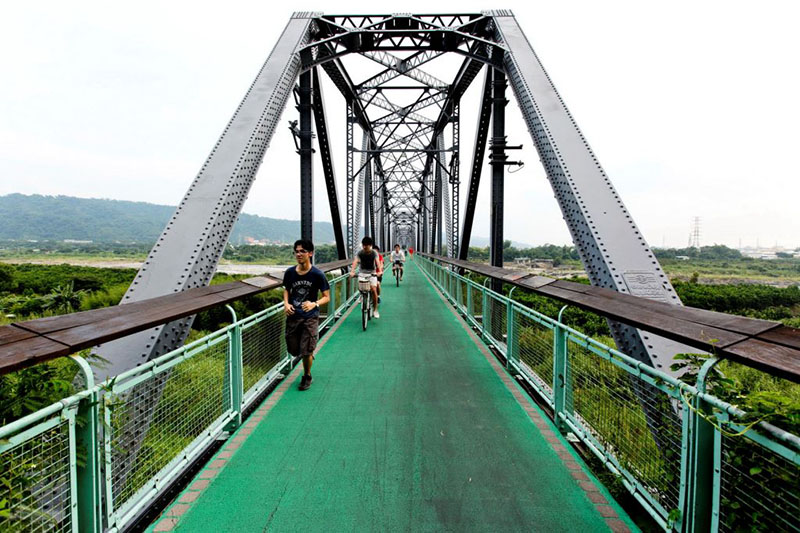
[[408, 426]]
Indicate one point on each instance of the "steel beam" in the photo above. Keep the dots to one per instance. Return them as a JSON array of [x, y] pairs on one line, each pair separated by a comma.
[[481, 134], [498, 156], [326, 157], [306, 158]]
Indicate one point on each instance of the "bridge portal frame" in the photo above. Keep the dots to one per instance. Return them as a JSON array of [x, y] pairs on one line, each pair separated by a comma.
[[610, 244]]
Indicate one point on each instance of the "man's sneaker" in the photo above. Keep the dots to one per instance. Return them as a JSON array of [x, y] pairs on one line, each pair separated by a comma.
[[305, 382], [376, 314]]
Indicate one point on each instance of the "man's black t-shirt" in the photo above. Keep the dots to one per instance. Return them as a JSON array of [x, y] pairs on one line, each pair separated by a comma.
[[304, 288], [368, 260]]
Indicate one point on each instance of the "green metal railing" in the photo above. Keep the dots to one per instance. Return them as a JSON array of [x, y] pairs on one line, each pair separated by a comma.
[[682, 453], [95, 460]]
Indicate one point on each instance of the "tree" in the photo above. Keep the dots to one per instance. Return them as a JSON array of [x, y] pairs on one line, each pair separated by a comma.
[[7, 281]]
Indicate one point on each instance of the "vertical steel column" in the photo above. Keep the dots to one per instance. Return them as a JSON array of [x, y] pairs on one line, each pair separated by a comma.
[[323, 141], [369, 219], [438, 213], [498, 170], [481, 134], [455, 179], [352, 222], [306, 159], [424, 209]]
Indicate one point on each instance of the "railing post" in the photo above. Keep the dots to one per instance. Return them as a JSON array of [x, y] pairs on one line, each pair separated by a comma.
[[470, 312], [700, 462], [89, 483], [459, 292], [235, 364], [332, 302], [562, 376], [510, 344], [486, 314]]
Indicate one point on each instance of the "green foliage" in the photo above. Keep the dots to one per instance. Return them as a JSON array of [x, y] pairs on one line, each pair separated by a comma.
[[7, 281], [41, 279], [276, 254], [715, 252], [28, 390], [558, 254], [737, 299]]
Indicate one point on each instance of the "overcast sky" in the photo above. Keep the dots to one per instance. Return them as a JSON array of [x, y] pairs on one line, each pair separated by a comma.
[[691, 107]]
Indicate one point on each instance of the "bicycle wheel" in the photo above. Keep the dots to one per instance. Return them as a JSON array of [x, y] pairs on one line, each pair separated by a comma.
[[364, 311], [397, 277]]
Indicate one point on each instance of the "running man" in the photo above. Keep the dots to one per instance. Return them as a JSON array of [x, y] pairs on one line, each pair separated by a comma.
[[398, 258], [301, 285], [370, 266]]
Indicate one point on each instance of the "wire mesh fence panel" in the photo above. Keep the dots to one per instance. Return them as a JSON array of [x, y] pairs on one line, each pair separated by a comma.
[[461, 293], [153, 422], [497, 319], [760, 490], [534, 342], [263, 347], [476, 297], [632, 421], [339, 291], [35, 483]]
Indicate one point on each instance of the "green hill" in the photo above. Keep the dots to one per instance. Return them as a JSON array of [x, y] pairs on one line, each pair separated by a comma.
[[39, 217]]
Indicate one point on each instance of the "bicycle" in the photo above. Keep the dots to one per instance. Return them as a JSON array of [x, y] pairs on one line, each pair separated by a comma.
[[365, 288], [397, 270]]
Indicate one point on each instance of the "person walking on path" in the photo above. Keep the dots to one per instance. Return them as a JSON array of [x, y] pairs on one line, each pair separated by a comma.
[[369, 265], [301, 287]]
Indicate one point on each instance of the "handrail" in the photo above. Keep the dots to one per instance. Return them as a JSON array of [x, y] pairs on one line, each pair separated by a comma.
[[762, 344], [23, 344]]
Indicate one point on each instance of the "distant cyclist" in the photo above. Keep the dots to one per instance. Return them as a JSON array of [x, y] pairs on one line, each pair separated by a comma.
[[369, 265], [398, 259]]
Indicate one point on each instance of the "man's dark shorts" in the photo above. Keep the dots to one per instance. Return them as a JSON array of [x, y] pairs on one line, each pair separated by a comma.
[[301, 335]]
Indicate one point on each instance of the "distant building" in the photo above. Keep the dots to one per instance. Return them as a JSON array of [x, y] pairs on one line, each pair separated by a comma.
[[76, 241], [682, 257]]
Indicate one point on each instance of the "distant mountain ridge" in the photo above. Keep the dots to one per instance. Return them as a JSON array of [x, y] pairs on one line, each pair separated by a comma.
[[37, 217]]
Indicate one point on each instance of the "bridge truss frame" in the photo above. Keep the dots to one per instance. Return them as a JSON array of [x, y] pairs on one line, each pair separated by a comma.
[[406, 171]]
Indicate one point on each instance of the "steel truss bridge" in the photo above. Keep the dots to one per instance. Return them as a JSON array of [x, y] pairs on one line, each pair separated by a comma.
[[158, 408]]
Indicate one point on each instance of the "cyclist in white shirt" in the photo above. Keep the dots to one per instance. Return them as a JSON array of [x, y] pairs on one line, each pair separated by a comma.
[[398, 258]]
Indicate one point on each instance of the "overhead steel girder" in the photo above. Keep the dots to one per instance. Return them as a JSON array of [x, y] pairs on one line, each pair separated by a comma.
[[612, 249], [397, 67], [332, 40], [327, 164], [188, 250]]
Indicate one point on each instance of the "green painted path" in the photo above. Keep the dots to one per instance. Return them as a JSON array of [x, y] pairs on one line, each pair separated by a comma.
[[407, 427]]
